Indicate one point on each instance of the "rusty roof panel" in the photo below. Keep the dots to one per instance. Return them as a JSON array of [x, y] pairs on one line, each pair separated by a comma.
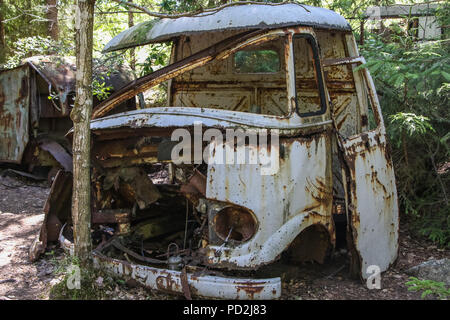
[[56, 70], [60, 72], [252, 16]]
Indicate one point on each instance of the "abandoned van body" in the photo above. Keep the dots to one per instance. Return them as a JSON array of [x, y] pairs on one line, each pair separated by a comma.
[[283, 72], [35, 102]]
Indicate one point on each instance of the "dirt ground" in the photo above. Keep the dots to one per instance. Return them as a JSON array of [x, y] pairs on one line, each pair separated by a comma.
[[21, 203]]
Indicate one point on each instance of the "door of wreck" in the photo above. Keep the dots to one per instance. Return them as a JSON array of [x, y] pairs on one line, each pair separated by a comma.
[[372, 212]]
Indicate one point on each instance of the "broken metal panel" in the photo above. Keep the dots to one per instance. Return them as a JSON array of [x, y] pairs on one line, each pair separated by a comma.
[[55, 70], [134, 184], [14, 113], [258, 16], [58, 206], [296, 196], [58, 152], [341, 82]]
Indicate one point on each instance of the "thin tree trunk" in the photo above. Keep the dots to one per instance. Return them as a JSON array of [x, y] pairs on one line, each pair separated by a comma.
[[81, 115], [132, 50], [52, 15], [2, 34]]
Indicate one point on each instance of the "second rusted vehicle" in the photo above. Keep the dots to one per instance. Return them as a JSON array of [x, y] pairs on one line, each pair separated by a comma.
[[36, 98], [284, 73]]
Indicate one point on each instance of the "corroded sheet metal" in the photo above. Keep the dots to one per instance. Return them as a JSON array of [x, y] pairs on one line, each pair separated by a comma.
[[14, 113], [250, 16], [294, 197], [203, 286]]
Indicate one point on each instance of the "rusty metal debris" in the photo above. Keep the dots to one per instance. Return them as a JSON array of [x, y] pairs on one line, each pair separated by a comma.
[[334, 181]]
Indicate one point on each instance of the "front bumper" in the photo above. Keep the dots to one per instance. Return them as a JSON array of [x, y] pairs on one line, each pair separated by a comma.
[[170, 281]]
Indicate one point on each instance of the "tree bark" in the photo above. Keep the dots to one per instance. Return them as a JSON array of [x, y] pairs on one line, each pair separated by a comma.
[[132, 50], [52, 15], [81, 115], [2, 34]]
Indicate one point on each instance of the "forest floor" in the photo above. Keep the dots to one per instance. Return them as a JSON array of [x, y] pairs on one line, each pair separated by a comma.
[[21, 204]]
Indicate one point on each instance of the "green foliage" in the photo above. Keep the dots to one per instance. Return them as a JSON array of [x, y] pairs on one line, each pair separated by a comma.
[[410, 123], [89, 288], [158, 57], [100, 89], [412, 80], [36, 45], [428, 288]]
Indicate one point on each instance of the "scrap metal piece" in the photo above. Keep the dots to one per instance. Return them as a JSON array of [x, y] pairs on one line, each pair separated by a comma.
[[185, 284], [58, 204], [121, 217], [58, 152], [134, 184]]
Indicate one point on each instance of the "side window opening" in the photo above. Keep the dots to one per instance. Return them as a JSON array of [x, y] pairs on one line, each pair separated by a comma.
[[256, 61], [308, 77], [368, 120]]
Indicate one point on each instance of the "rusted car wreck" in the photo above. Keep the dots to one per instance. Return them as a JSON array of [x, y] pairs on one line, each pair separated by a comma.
[[287, 70], [35, 102]]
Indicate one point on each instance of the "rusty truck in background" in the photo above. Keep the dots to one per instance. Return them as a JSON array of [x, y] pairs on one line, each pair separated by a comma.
[[36, 98], [289, 70]]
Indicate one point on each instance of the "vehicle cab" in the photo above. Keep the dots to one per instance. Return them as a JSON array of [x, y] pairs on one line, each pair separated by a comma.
[[278, 84]]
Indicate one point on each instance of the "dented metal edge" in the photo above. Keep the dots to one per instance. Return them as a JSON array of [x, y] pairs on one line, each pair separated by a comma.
[[186, 116]]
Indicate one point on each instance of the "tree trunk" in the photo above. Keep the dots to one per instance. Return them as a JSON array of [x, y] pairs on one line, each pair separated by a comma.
[[132, 50], [81, 115], [52, 15], [2, 34]]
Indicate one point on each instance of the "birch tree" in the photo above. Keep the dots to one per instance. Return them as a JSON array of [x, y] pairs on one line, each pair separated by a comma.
[[81, 115], [52, 16]]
